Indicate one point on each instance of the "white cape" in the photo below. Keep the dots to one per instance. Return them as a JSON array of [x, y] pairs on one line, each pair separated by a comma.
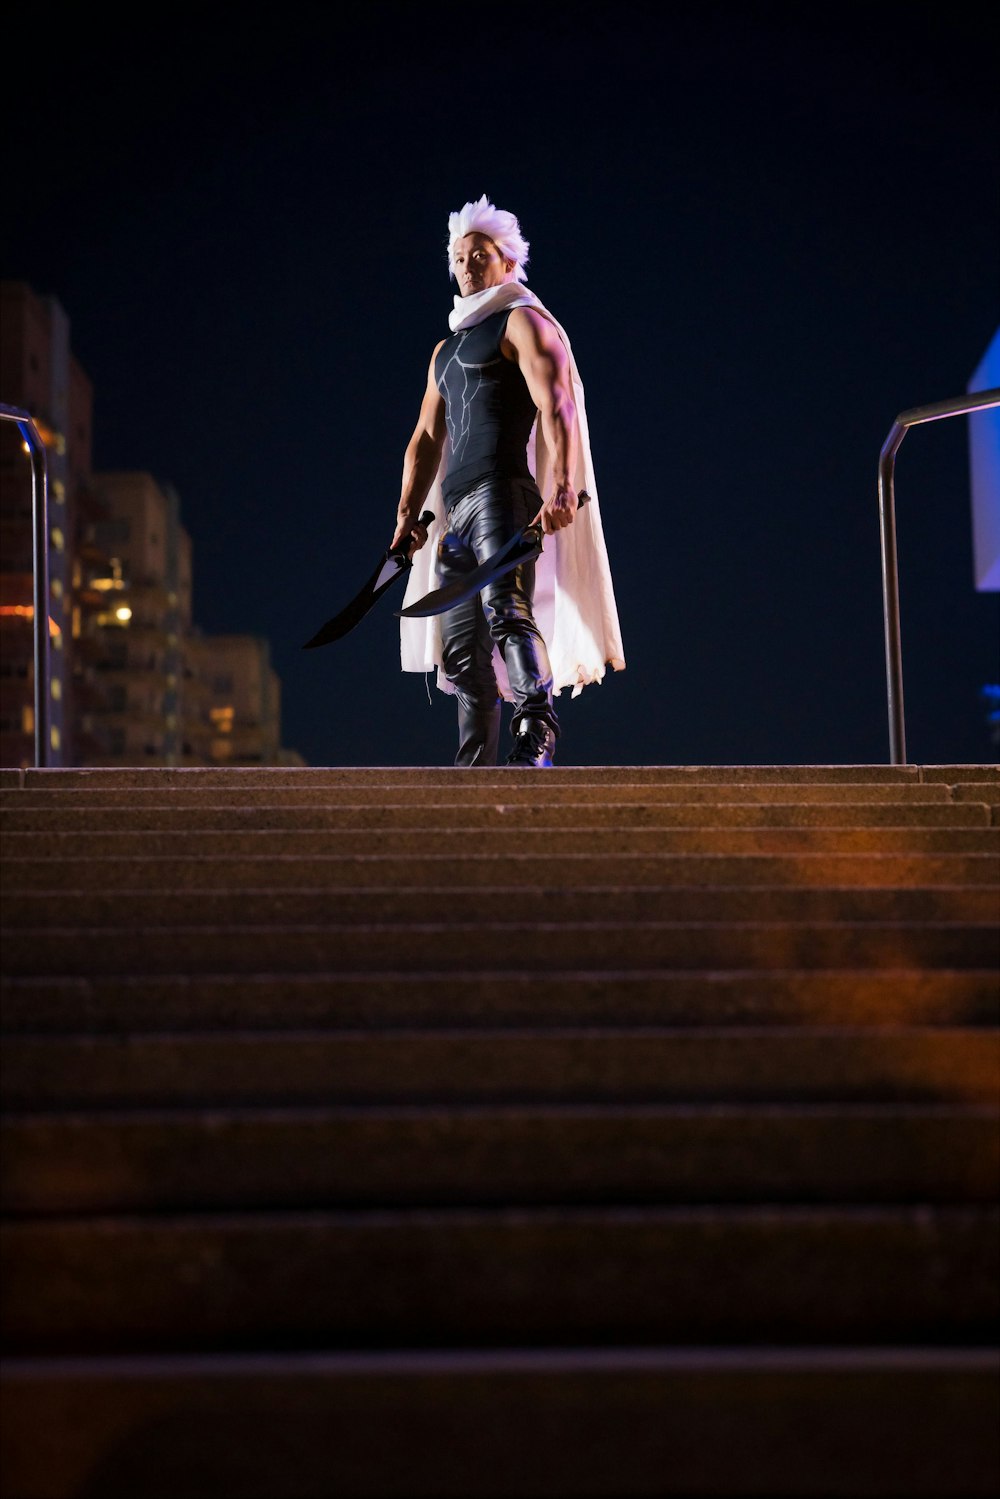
[[574, 599]]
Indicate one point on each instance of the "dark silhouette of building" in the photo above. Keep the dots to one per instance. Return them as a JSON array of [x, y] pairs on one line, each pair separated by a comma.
[[133, 681]]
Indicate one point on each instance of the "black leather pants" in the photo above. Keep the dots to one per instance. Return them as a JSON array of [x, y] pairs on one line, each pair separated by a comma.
[[478, 525]]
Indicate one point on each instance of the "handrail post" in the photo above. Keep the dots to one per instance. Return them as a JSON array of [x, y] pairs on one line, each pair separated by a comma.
[[40, 573], [890, 570], [890, 595]]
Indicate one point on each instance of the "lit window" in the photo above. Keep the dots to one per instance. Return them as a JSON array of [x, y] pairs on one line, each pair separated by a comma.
[[55, 686], [222, 719], [112, 620]]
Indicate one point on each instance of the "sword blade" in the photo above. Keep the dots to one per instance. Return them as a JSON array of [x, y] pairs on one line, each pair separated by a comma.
[[353, 613], [523, 546], [392, 566]]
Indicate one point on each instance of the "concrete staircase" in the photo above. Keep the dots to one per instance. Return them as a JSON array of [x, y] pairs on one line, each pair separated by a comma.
[[602, 1132]]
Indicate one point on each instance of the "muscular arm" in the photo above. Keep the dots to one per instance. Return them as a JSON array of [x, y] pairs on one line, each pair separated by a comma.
[[420, 462], [543, 361]]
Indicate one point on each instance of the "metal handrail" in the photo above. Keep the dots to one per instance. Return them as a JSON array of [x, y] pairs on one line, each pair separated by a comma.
[[40, 571], [887, 527]]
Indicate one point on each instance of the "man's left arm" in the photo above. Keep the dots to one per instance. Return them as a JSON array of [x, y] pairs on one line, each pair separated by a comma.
[[544, 362]]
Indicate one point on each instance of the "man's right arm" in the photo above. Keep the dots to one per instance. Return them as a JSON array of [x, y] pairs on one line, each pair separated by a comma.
[[421, 462]]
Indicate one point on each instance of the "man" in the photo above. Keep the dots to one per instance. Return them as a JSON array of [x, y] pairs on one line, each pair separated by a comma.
[[506, 366]]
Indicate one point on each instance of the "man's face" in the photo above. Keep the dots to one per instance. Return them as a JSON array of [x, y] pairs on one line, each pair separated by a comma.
[[479, 264]]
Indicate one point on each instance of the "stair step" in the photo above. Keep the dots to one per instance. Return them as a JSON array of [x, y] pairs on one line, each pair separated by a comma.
[[868, 1423], [462, 1277], [238, 778], [402, 817], [377, 904], [104, 1162], [973, 791], [381, 998], [275, 870], [442, 944], [545, 844], [241, 778], [234, 1068], [471, 791]]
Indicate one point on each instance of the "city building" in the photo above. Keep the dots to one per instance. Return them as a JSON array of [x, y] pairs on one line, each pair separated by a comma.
[[39, 374], [133, 680], [143, 614], [239, 696]]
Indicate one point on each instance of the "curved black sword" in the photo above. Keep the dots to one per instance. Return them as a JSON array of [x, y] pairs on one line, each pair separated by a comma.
[[523, 546], [393, 565]]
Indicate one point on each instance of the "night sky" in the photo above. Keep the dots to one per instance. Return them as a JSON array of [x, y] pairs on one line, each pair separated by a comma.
[[767, 228]]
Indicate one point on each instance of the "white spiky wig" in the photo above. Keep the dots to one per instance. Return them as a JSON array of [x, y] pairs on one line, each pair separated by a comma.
[[498, 225]]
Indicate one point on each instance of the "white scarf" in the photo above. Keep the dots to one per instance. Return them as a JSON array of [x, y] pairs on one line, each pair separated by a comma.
[[468, 311], [574, 604]]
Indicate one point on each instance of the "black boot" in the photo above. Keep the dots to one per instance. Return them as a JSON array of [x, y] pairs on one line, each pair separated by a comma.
[[533, 746]]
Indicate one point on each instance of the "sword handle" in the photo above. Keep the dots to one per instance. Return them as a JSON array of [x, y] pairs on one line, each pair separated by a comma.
[[403, 550], [582, 499]]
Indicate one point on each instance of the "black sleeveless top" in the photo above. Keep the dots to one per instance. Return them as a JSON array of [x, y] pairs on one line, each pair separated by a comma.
[[488, 408]]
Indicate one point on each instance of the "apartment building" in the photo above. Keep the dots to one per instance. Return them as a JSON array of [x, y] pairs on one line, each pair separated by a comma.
[[39, 374], [133, 681]]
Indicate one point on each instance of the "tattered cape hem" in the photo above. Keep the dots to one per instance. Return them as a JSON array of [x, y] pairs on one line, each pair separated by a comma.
[[585, 676]]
